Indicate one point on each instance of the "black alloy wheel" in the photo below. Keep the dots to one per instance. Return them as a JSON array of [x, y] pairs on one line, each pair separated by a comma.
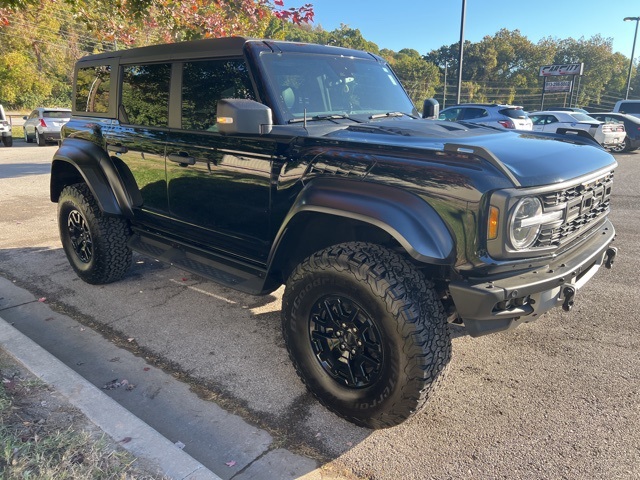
[[346, 341], [80, 236]]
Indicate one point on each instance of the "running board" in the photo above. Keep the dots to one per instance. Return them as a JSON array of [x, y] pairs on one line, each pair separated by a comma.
[[238, 276]]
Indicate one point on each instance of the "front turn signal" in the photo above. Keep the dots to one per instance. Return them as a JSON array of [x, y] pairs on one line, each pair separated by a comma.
[[492, 227]]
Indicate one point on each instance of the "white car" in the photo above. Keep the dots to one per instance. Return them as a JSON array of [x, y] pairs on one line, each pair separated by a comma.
[[606, 134], [44, 124], [5, 129]]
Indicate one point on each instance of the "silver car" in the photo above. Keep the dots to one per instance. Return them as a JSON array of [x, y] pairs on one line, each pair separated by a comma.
[[44, 124], [495, 115]]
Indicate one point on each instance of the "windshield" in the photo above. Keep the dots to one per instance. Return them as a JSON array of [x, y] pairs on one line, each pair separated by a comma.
[[332, 85]]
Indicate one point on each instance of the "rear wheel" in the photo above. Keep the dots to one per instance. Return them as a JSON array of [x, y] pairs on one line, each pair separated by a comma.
[[27, 138], [7, 141], [40, 139], [366, 333], [621, 147], [96, 245]]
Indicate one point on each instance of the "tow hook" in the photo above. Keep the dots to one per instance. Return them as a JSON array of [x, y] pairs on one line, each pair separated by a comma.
[[569, 293], [610, 256]]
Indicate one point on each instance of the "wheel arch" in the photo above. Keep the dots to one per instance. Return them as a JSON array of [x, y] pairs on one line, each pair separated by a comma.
[[332, 211], [108, 178]]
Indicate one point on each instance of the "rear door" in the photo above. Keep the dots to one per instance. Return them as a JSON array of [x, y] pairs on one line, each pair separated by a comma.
[[138, 139]]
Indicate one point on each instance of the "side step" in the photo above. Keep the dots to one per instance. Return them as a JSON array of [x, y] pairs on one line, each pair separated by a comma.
[[236, 275]]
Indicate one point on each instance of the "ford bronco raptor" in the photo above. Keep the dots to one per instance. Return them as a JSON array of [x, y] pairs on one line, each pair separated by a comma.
[[258, 163]]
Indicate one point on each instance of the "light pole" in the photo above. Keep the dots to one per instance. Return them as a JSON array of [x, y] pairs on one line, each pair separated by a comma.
[[633, 51], [464, 12]]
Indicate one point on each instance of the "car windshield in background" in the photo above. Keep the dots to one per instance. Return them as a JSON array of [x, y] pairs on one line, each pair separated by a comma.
[[513, 112], [321, 85], [56, 114]]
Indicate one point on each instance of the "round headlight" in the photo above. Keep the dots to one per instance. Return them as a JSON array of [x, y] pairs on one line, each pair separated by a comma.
[[524, 226]]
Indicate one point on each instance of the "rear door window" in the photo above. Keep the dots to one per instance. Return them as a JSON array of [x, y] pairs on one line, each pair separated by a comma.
[[145, 94]]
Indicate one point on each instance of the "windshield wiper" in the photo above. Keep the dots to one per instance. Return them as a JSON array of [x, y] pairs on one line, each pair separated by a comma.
[[332, 116], [391, 114]]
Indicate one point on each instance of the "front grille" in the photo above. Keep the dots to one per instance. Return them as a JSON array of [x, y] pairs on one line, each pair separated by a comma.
[[584, 204]]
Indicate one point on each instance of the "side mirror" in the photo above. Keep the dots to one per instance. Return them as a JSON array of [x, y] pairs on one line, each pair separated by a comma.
[[240, 116], [430, 108]]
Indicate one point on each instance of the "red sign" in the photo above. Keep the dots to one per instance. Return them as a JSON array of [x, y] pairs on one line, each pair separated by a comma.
[[556, 70]]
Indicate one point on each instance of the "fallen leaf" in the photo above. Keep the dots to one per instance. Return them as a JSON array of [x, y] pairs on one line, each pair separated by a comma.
[[48, 319], [115, 359], [42, 299], [125, 440], [130, 339], [146, 369], [231, 463]]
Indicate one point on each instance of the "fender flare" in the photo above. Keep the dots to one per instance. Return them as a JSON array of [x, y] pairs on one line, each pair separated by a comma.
[[109, 180], [410, 220]]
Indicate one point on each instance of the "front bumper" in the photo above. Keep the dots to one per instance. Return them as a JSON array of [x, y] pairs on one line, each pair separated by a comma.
[[491, 306]]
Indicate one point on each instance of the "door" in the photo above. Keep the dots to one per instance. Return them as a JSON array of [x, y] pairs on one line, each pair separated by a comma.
[[219, 186], [138, 139]]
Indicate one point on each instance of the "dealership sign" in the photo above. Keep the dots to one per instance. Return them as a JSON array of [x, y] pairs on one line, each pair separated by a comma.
[[566, 69], [564, 86]]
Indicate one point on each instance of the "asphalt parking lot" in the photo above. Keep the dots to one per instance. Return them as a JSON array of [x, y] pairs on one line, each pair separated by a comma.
[[559, 398]]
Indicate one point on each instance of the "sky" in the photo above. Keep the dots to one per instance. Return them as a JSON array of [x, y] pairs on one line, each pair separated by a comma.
[[426, 25]]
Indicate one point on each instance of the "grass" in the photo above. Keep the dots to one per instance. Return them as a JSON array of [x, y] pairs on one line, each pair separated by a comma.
[[44, 437]]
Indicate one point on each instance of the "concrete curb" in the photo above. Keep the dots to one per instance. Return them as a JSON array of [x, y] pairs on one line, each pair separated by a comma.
[[116, 421]]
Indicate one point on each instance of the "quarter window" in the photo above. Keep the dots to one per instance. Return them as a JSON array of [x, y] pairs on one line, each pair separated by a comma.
[[92, 89], [145, 94], [206, 82]]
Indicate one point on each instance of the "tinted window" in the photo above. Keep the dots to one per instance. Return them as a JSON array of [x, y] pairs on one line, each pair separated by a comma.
[[56, 114], [513, 112], [451, 115], [581, 117], [471, 113], [92, 89], [630, 107], [145, 94], [204, 83]]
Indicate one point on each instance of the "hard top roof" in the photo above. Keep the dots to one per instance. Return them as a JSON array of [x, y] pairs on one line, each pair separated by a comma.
[[217, 47]]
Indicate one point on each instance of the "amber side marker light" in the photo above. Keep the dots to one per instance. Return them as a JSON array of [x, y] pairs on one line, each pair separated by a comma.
[[492, 227]]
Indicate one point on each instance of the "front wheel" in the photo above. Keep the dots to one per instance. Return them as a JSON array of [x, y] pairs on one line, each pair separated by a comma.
[[366, 333], [95, 245], [7, 141]]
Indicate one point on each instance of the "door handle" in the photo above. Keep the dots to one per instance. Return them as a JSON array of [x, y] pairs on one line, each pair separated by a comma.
[[117, 148], [182, 158]]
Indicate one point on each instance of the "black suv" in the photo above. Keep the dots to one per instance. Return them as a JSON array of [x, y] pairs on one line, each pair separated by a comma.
[[261, 163]]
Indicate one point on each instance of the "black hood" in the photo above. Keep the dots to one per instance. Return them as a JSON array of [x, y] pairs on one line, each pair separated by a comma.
[[533, 159]]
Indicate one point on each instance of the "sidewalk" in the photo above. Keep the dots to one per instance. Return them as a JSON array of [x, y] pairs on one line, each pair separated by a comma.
[[157, 414], [107, 414]]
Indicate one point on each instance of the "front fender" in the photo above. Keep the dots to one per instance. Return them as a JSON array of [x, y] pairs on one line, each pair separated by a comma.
[[411, 221]]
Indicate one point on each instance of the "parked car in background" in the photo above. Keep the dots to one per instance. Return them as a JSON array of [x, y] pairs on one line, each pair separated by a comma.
[[567, 109], [5, 129], [630, 107], [631, 125], [44, 124], [504, 116], [608, 135]]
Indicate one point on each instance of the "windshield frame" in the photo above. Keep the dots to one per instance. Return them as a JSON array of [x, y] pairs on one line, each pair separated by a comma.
[[279, 70]]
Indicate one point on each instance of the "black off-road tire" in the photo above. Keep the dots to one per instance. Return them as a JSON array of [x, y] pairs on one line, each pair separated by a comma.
[[96, 245], [7, 141], [366, 333]]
